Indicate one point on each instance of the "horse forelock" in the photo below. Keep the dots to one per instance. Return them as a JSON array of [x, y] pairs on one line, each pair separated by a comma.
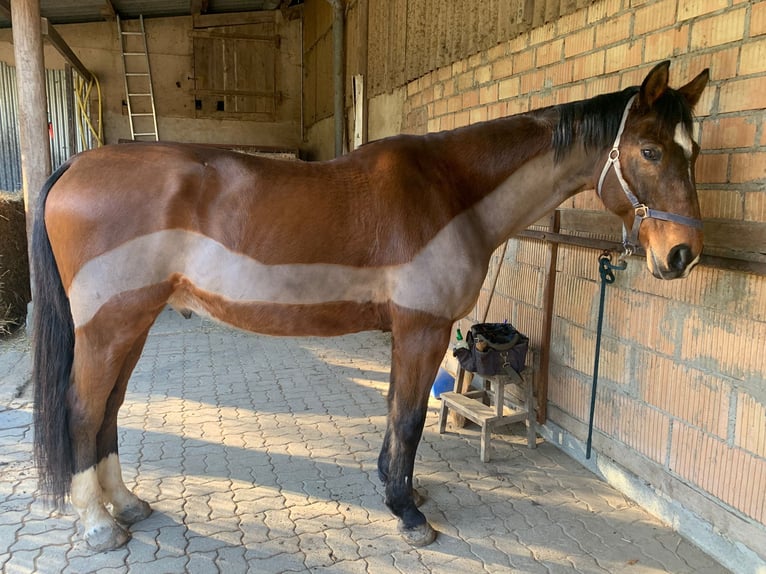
[[670, 109], [593, 122]]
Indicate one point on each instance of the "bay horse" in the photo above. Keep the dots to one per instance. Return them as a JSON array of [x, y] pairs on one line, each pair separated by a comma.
[[361, 242]]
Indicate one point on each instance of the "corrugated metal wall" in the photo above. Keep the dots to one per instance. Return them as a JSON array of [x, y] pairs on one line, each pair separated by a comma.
[[60, 113], [10, 154]]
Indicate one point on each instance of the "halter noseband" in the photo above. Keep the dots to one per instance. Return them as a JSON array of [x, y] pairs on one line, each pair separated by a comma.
[[641, 210]]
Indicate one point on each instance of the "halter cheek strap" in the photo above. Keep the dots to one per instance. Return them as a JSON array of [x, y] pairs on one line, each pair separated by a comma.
[[641, 210]]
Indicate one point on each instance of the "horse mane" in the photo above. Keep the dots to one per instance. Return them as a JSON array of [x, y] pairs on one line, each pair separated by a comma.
[[595, 121]]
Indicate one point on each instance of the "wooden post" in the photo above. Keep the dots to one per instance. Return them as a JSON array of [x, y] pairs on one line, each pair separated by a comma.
[[33, 114]]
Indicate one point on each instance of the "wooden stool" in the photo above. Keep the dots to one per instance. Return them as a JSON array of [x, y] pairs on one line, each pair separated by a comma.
[[489, 416]]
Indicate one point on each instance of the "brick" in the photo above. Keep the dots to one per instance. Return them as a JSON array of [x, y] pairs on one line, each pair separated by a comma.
[[629, 314], [720, 204], [749, 166], [712, 168], [462, 118], [509, 88], [470, 99], [497, 52], [465, 81], [549, 52], [602, 85], [693, 8], [654, 17], [718, 30], [455, 103], [440, 108], [753, 58], [722, 63], [750, 431], [483, 74], [497, 110], [488, 94], [523, 61], [601, 10], [661, 45], [731, 475], [572, 22], [728, 344], [579, 42], [742, 95], [755, 206], [542, 34], [502, 68], [699, 399], [570, 93], [532, 82], [728, 132], [758, 19], [613, 30], [624, 56], [478, 115], [588, 66]]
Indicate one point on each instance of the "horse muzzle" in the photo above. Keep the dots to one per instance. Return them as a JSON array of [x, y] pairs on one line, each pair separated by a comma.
[[679, 262]]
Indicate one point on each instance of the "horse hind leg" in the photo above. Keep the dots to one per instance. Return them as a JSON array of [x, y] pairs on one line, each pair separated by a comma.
[[125, 506], [419, 344], [104, 358]]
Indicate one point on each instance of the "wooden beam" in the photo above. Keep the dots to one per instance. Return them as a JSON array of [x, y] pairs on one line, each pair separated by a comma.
[[197, 7], [108, 12], [50, 34], [33, 107], [5, 9]]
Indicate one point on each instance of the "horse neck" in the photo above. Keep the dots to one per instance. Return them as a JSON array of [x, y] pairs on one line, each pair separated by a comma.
[[506, 171]]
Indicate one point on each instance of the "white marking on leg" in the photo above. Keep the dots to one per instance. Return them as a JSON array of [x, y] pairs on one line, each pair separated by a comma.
[[88, 501], [100, 530], [113, 488]]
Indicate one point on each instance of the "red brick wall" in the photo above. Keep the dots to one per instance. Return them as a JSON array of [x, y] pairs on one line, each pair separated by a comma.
[[683, 375]]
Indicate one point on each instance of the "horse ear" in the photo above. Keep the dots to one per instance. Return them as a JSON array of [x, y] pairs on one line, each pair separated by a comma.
[[693, 90], [655, 83]]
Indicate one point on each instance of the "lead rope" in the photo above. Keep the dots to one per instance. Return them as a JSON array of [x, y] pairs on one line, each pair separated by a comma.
[[606, 271]]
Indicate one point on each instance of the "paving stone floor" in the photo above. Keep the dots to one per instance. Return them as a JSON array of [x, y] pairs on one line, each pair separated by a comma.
[[259, 455]]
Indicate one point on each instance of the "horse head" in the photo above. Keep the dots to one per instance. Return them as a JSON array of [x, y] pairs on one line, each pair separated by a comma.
[[647, 177]]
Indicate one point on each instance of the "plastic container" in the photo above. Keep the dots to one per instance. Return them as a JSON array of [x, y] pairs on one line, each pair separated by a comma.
[[444, 382]]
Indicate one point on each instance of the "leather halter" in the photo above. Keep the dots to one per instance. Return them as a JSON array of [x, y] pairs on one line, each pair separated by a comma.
[[641, 210]]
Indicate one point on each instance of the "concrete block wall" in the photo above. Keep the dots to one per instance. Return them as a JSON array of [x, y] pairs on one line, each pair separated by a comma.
[[682, 387]]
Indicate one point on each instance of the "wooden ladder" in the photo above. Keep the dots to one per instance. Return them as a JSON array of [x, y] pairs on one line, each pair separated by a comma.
[[138, 82]]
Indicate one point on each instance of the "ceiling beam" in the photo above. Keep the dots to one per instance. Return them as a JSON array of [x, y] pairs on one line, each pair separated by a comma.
[[50, 34], [108, 12], [197, 7]]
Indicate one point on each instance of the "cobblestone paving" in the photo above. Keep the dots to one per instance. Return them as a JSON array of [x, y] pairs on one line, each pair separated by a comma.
[[259, 455]]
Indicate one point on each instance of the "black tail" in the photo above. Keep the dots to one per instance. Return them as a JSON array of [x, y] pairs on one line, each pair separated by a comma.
[[53, 354]]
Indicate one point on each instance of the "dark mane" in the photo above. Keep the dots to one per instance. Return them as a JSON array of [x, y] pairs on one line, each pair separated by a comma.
[[595, 121]]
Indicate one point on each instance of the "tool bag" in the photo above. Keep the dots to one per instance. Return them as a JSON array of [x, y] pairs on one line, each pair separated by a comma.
[[492, 349]]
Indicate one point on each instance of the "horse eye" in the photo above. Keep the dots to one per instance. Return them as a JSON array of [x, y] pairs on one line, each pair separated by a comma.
[[651, 154]]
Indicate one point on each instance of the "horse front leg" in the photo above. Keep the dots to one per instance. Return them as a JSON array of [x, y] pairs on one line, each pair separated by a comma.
[[419, 342]]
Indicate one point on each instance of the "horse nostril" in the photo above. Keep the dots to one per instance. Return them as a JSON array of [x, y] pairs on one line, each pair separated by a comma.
[[680, 257]]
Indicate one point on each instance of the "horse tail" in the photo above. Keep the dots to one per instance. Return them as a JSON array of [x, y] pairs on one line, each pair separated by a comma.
[[52, 359]]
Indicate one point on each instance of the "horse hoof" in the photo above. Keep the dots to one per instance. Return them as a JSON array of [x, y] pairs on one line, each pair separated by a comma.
[[421, 535], [110, 537], [134, 513]]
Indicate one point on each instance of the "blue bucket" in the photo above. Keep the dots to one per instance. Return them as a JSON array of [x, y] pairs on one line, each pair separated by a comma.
[[444, 382]]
